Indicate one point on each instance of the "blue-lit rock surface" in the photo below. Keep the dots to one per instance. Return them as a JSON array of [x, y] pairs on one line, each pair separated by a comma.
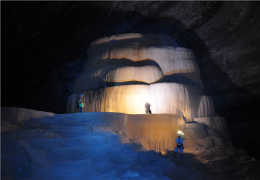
[[88, 146], [112, 146]]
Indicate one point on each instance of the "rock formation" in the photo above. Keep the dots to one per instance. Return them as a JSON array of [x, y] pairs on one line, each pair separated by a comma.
[[146, 74], [156, 132], [135, 69], [89, 145], [14, 118], [136, 47]]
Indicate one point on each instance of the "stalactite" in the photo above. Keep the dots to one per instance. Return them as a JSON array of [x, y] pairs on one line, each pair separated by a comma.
[[206, 107], [170, 71], [131, 99]]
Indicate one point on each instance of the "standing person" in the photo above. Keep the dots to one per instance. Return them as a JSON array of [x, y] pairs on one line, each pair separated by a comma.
[[148, 108], [81, 103], [179, 142]]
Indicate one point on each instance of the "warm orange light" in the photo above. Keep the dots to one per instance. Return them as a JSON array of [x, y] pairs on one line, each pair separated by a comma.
[[154, 132]]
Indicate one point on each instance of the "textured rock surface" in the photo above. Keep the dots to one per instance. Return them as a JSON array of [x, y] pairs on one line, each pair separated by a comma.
[[206, 107], [146, 74], [97, 146], [161, 49], [110, 57], [86, 145], [14, 118], [173, 98], [156, 132]]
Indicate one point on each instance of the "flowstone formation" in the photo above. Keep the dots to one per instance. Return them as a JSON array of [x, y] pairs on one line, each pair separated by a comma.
[[134, 69], [125, 72]]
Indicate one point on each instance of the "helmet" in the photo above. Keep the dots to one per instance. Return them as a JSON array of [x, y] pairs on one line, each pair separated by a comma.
[[180, 133]]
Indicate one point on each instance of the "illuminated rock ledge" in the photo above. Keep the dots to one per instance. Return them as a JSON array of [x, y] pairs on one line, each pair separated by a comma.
[[135, 69], [172, 98], [156, 132]]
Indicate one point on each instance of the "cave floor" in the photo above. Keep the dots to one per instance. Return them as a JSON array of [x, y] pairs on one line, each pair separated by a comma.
[[72, 146]]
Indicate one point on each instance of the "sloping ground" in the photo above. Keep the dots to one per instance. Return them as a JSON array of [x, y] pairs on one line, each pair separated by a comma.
[[77, 146], [155, 132], [13, 118], [86, 146]]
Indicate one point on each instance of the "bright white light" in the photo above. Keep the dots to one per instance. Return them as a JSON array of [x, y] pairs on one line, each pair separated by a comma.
[[180, 133]]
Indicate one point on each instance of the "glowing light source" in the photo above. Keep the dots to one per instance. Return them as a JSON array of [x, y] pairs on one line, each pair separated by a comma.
[[180, 133]]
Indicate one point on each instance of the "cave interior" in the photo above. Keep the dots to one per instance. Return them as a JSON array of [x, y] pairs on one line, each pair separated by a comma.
[[45, 49]]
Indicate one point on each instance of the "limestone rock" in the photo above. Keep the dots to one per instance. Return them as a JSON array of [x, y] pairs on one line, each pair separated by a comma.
[[156, 132], [218, 124], [127, 61], [13, 118], [206, 107], [171, 98], [147, 74], [159, 48]]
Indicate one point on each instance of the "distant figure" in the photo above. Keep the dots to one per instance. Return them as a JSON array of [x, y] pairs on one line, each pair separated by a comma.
[[148, 108], [179, 142], [180, 113], [80, 103]]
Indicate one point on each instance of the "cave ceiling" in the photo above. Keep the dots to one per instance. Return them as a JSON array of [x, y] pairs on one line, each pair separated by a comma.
[[224, 36]]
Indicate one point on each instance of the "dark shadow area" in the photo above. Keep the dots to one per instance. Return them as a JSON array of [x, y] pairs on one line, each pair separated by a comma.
[[228, 168], [110, 63], [182, 79], [110, 84], [187, 160], [147, 40], [21, 166]]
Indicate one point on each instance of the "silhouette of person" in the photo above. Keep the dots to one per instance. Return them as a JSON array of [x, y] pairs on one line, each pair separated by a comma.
[[148, 108]]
